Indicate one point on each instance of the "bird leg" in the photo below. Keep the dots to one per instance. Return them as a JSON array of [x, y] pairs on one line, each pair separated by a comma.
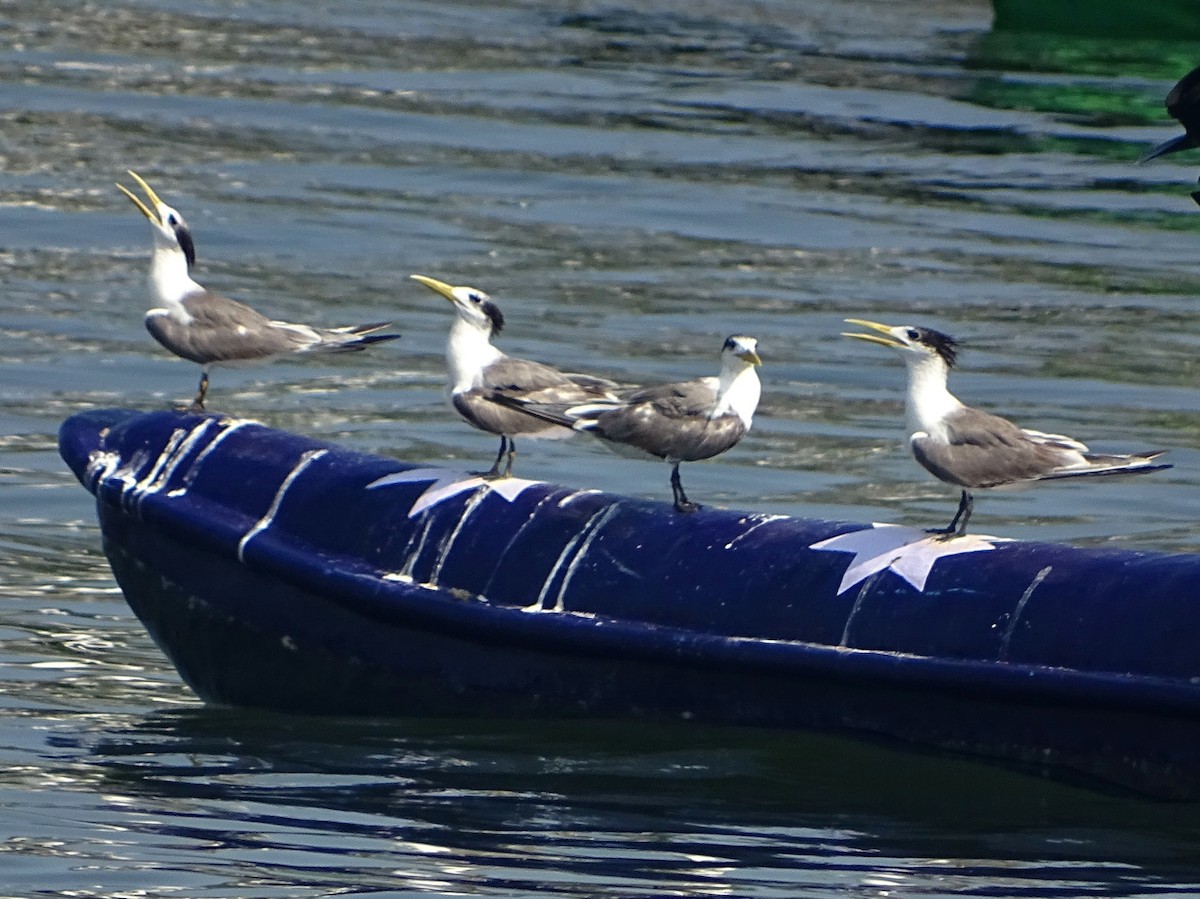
[[682, 503], [512, 454], [958, 524], [508, 447], [201, 393]]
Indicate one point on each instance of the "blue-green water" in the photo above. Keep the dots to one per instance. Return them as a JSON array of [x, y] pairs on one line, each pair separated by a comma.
[[632, 182]]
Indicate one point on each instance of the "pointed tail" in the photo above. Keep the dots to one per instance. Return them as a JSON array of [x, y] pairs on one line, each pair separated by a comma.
[[577, 416], [1101, 465], [352, 338]]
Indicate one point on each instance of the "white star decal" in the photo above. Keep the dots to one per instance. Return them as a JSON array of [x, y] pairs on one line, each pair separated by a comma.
[[447, 483], [906, 551]]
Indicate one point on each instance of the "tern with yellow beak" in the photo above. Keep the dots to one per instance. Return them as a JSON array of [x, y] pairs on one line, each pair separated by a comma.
[[680, 422], [209, 329], [974, 449], [480, 375]]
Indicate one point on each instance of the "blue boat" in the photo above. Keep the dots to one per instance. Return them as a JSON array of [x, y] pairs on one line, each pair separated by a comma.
[[281, 572]]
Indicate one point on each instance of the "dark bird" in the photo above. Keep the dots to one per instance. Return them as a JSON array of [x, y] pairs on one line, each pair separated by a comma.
[[680, 422], [974, 449], [1183, 105], [209, 329], [481, 376]]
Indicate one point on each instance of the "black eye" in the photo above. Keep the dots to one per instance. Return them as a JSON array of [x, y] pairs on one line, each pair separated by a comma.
[[172, 220], [912, 334]]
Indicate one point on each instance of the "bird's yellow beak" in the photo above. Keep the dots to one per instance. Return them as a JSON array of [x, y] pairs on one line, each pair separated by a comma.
[[751, 357], [154, 200], [439, 287], [889, 340]]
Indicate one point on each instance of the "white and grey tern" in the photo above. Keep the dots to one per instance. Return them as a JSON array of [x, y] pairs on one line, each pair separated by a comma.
[[481, 377], [679, 422], [210, 329], [973, 449]]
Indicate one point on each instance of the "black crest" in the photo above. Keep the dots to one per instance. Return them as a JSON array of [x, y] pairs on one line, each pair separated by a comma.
[[492, 311], [942, 344], [184, 236]]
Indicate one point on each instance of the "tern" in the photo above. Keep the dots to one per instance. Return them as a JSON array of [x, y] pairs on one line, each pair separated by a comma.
[[209, 329], [481, 376], [974, 449], [680, 422], [1183, 105]]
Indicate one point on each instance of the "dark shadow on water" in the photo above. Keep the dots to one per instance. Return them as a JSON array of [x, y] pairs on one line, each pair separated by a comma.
[[618, 809], [658, 770]]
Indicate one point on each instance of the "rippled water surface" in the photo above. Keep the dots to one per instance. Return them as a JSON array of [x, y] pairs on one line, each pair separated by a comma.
[[632, 181]]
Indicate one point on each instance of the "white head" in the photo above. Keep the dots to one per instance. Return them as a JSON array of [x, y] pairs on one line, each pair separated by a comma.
[[929, 356], [739, 352], [918, 346], [174, 253], [469, 349], [474, 307], [738, 387], [171, 232]]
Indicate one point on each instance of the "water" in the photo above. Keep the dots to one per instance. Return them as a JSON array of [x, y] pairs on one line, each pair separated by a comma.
[[632, 182]]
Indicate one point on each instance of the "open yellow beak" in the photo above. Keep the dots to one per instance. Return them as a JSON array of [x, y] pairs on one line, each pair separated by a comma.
[[889, 340], [137, 200], [440, 287]]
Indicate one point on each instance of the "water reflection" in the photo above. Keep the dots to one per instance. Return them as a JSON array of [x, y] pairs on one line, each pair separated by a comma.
[[591, 809]]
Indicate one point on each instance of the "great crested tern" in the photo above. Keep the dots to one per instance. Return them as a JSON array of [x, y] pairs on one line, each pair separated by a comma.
[[974, 449], [680, 422], [209, 329], [481, 376], [1183, 105]]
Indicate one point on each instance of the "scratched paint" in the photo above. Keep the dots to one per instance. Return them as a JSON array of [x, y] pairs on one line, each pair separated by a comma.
[[447, 543], [592, 529], [228, 427], [761, 521], [265, 522], [517, 533], [144, 475], [1019, 608], [568, 552]]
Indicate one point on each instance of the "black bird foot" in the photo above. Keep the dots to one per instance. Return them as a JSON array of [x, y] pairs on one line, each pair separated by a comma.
[[958, 524], [687, 506], [494, 473], [945, 533], [508, 452]]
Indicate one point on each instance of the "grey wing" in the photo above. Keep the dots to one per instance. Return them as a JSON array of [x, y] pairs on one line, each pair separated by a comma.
[[672, 422], [223, 330], [985, 450], [495, 418], [537, 383]]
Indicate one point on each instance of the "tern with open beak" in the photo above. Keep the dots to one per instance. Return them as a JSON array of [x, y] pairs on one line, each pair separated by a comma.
[[974, 449], [680, 422], [209, 329], [480, 375]]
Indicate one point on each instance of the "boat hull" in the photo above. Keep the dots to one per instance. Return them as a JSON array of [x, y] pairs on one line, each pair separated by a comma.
[[282, 573]]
